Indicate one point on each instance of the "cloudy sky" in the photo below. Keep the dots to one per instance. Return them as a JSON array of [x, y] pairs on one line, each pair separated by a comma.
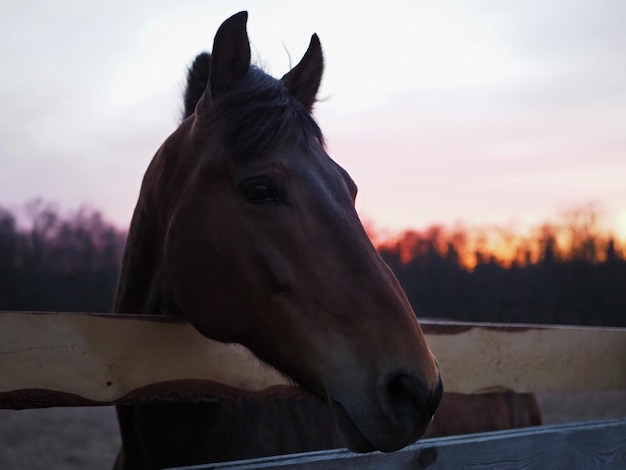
[[442, 111]]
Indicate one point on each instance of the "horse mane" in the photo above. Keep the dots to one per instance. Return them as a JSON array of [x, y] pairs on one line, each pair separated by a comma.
[[197, 79], [253, 117]]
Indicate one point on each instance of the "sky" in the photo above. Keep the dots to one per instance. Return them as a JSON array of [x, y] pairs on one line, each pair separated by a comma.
[[483, 112]]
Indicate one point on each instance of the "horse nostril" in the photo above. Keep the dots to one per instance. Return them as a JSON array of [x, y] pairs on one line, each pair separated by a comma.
[[406, 396]]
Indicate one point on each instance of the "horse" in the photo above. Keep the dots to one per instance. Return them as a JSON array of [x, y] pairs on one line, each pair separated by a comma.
[[281, 425], [246, 228]]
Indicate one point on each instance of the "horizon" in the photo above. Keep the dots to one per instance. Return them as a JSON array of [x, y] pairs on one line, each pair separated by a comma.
[[570, 235], [443, 112]]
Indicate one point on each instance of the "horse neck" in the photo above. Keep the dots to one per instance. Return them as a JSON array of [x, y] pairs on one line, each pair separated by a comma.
[[141, 289]]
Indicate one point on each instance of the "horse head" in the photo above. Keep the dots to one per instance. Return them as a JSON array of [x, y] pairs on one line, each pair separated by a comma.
[[248, 229]]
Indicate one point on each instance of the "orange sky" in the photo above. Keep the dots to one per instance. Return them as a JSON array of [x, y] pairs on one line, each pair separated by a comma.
[[442, 111]]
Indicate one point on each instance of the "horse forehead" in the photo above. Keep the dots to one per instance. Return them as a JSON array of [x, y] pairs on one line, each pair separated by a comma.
[[310, 161], [296, 153], [300, 156]]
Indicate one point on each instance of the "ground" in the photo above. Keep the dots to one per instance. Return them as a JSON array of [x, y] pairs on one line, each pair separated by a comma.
[[86, 438]]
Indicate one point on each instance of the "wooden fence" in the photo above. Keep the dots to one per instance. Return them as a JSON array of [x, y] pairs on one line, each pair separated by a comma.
[[69, 359]]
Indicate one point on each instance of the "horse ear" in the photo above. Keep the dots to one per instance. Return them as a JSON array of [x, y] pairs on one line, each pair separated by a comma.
[[303, 81], [230, 59]]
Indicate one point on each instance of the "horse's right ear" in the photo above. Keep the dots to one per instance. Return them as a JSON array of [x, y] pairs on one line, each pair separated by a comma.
[[230, 59]]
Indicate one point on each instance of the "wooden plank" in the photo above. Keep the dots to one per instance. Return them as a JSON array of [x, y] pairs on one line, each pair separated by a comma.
[[600, 444], [65, 359], [482, 357]]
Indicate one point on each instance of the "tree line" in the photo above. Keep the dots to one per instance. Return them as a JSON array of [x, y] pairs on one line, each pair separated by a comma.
[[565, 273], [58, 262]]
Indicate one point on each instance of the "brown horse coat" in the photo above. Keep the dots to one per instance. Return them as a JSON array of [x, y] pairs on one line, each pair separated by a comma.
[[247, 228]]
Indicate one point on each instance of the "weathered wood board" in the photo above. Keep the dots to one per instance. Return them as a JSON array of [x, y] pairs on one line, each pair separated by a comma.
[[68, 359], [600, 444]]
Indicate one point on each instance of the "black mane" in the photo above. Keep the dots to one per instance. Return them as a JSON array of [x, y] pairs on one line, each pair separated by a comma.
[[197, 79], [255, 115]]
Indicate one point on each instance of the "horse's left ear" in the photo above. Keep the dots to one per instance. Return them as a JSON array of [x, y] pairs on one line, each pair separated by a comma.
[[230, 59], [303, 81]]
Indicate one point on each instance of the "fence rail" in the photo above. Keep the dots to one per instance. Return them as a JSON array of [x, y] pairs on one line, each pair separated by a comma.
[[599, 444], [71, 359]]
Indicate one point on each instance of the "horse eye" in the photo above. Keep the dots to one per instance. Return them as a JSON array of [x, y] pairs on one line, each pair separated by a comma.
[[260, 191]]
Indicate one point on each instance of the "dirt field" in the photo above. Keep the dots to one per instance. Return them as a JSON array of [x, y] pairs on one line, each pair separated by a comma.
[[86, 438]]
